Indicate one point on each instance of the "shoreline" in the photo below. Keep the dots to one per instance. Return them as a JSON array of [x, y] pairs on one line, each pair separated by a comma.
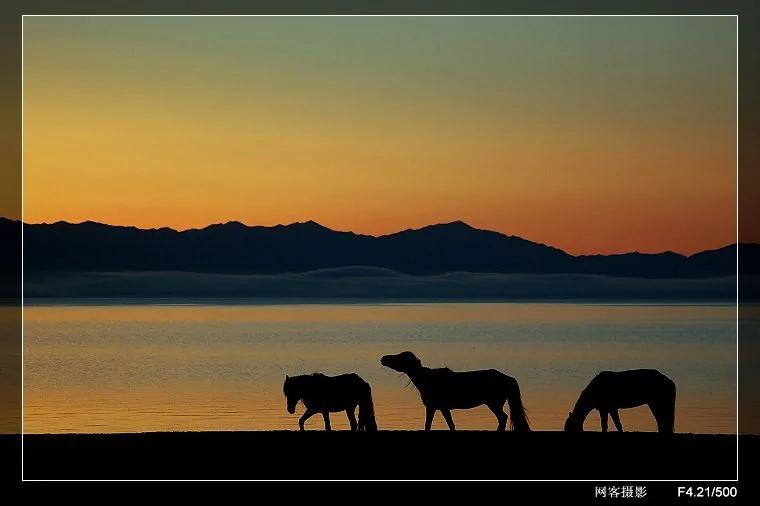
[[385, 455], [266, 301]]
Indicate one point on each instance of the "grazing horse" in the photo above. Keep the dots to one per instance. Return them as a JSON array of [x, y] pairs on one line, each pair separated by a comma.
[[610, 391], [443, 390], [326, 394]]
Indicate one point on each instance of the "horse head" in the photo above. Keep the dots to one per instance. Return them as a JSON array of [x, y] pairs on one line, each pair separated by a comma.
[[292, 393], [573, 423], [403, 362]]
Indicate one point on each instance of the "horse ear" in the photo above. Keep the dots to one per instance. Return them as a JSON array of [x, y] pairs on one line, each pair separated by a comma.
[[287, 377]]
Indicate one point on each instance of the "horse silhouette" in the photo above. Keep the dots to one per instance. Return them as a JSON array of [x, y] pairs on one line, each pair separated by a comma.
[[610, 391], [330, 394], [443, 390]]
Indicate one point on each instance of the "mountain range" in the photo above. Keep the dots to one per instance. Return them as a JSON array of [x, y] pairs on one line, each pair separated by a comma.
[[235, 248]]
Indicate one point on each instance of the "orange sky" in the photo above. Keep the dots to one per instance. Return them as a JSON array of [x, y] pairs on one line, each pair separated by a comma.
[[595, 135]]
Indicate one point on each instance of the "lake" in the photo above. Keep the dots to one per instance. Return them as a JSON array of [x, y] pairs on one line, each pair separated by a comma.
[[112, 367]]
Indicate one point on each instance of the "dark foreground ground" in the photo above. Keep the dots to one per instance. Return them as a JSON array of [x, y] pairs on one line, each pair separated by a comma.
[[383, 455]]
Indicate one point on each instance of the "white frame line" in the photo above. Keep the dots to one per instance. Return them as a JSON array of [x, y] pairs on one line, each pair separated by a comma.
[[735, 16]]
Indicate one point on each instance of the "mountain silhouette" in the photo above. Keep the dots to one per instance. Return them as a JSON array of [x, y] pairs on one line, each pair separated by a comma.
[[235, 248]]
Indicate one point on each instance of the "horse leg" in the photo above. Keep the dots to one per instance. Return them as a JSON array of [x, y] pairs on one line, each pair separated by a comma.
[[429, 414], [616, 420], [501, 416], [351, 418], [603, 416], [326, 416], [660, 416], [663, 410], [307, 414], [449, 421]]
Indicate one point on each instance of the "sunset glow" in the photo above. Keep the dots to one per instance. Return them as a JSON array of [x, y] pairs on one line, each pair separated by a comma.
[[592, 135]]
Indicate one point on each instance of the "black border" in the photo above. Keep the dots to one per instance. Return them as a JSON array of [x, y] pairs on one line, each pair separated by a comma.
[[749, 170]]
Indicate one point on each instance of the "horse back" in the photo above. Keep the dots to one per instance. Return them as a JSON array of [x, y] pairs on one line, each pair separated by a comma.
[[336, 393], [481, 377], [623, 389], [465, 389]]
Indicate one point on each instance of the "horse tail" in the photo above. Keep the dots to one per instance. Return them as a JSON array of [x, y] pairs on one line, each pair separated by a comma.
[[367, 420], [518, 419]]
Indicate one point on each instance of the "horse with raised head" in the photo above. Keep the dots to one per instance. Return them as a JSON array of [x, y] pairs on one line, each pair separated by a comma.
[[331, 394], [443, 390], [611, 390]]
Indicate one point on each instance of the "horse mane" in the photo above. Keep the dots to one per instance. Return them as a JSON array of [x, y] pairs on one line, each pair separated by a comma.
[[584, 397], [295, 385], [587, 395]]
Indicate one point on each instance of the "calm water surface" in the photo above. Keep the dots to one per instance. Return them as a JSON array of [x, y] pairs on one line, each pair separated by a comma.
[[117, 368]]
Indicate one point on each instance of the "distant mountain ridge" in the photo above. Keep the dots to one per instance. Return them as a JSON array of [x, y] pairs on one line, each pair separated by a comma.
[[236, 248]]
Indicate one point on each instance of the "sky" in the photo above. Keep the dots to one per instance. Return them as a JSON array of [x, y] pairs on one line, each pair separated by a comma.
[[594, 135]]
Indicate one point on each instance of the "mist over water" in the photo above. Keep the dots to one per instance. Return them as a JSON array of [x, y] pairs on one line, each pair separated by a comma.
[[141, 367]]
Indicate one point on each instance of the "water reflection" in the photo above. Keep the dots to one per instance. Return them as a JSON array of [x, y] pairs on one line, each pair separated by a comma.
[[215, 367]]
